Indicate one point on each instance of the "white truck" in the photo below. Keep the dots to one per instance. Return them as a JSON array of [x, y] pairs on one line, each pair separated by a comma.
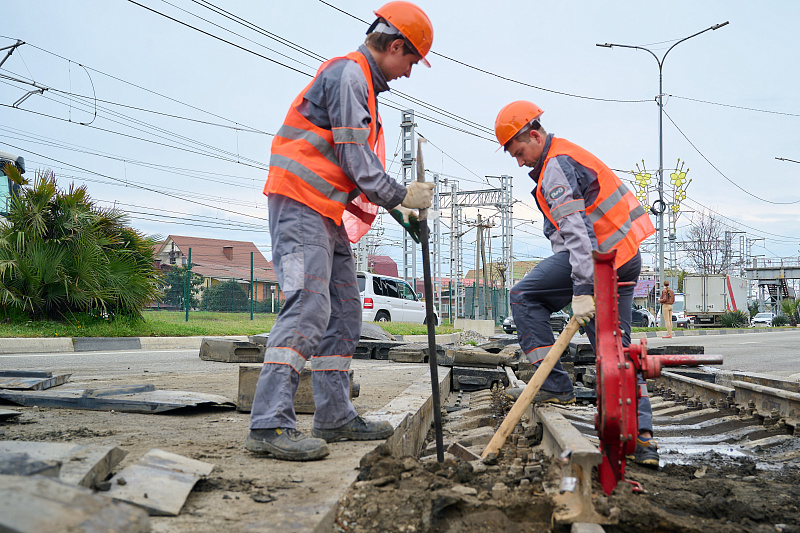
[[708, 296]]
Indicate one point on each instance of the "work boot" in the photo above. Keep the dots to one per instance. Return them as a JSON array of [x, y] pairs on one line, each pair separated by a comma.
[[543, 396], [356, 429], [286, 444], [646, 453]]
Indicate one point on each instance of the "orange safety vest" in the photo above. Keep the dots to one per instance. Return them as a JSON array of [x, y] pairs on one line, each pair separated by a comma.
[[304, 167], [619, 221]]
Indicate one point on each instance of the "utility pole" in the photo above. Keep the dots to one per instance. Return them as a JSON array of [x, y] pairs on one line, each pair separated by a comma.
[[408, 175], [662, 206]]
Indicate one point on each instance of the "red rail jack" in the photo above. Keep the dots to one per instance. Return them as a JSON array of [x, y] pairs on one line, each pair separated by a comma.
[[618, 392]]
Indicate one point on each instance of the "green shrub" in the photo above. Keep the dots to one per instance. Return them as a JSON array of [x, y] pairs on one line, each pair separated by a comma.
[[61, 254], [226, 296], [735, 319], [780, 321]]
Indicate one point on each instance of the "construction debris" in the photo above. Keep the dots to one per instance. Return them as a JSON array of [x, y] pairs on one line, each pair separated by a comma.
[[30, 379], [46, 505], [159, 481], [131, 399], [231, 351], [303, 399], [83, 465]]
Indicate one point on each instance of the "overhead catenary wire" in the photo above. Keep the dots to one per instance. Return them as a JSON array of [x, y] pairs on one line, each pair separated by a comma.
[[139, 186], [720, 172]]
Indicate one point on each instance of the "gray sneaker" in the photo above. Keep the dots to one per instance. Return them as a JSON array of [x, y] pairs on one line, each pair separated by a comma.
[[646, 453], [356, 429], [543, 396], [286, 444]]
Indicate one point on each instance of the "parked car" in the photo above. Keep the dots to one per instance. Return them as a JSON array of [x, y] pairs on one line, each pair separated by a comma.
[[558, 321], [641, 317], [387, 299], [762, 319]]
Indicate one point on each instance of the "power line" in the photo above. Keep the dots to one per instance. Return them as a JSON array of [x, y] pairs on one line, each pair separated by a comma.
[[721, 173], [128, 82], [134, 137], [138, 186], [735, 106], [489, 73]]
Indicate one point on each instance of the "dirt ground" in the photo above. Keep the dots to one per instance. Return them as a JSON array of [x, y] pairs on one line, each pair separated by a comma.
[[719, 494], [412, 495]]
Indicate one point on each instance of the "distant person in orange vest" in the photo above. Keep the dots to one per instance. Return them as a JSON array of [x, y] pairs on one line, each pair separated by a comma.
[[666, 300], [326, 179], [586, 207]]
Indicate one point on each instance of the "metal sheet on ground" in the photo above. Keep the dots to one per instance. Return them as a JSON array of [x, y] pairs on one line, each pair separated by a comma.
[[30, 380], [80, 464], [131, 399], [45, 505], [159, 481]]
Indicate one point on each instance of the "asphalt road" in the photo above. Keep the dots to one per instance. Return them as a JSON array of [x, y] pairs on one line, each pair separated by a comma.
[[87, 366], [775, 352]]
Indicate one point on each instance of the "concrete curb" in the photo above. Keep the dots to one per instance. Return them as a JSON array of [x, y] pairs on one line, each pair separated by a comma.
[[20, 345], [101, 344], [703, 332]]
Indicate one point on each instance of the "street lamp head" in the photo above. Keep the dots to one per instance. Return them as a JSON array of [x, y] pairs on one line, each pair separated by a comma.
[[607, 45], [718, 26]]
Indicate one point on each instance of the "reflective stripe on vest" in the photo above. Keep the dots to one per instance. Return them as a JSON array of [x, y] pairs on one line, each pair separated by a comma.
[[618, 219], [303, 164], [331, 362], [285, 356]]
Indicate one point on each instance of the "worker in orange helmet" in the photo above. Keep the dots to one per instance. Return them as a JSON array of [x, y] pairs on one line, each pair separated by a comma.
[[586, 207], [326, 180]]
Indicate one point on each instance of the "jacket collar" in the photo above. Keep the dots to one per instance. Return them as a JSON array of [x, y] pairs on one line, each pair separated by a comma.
[[537, 170], [378, 79]]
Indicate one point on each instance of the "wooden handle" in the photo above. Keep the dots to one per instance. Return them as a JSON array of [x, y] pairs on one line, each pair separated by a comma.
[[514, 415]]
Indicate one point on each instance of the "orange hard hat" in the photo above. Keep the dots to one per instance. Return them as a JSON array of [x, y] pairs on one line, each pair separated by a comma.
[[412, 22], [513, 117]]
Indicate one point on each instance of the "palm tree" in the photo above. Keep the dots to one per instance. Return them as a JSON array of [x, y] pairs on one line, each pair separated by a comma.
[[60, 254], [791, 308]]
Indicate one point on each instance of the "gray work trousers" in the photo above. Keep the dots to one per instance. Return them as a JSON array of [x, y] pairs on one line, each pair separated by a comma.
[[320, 320], [548, 288]]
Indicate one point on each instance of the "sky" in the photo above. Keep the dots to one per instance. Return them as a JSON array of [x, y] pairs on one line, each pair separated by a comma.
[[172, 124]]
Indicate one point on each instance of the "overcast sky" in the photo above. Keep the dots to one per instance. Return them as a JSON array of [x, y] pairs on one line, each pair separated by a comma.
[[183, 122]]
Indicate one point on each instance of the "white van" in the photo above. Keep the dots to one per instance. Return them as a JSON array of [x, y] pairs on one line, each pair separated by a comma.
[[387, 299]]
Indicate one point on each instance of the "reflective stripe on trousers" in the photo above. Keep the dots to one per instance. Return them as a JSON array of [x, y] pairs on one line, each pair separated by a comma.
[[548, 288], [320, 320]]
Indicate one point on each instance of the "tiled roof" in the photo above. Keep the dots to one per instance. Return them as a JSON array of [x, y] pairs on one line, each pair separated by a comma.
[[209, 258]]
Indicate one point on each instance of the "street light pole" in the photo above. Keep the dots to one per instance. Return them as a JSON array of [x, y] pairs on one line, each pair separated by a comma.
[[661, 205]]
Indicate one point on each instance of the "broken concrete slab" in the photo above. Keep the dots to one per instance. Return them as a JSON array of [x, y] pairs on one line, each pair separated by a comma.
[[82, 465], [472, 379], [8, 413], [476, 357], [261, 338], [130, 399], [417, 352], [22, 464], [303, 399], [231, 351], [159, 481], [375, 332], [375, 349], [46, 505], [30, 379]]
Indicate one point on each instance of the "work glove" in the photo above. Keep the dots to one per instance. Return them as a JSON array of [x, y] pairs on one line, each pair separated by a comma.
[[583, 308], [419, 195], [409, 219]]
